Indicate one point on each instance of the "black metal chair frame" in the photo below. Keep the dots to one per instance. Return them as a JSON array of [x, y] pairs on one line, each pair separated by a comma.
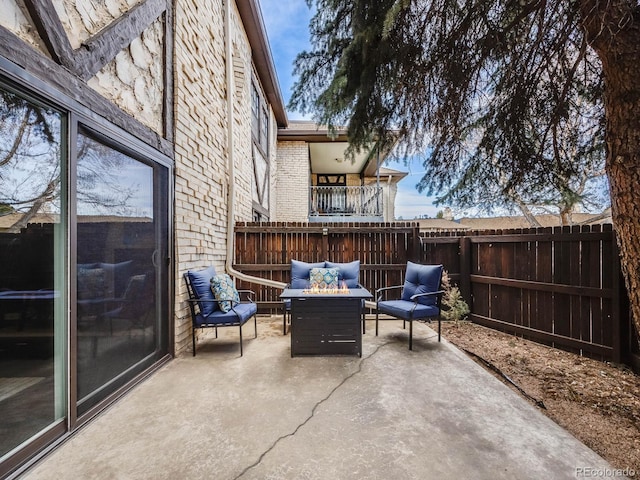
[[415, 301], [194, 307]]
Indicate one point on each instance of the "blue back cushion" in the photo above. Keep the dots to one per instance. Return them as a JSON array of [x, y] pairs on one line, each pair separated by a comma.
[[349, 273], [201, 284], [422, 279], [300, 273]]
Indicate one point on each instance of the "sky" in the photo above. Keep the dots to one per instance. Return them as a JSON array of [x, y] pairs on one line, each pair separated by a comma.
[[287, 24]]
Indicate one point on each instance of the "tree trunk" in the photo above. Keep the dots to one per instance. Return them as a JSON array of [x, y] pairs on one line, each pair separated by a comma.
[[613, 34], [533, 221]]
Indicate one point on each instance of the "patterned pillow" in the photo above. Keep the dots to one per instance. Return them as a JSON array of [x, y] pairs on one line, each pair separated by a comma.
[[223, 291], [323, 278]]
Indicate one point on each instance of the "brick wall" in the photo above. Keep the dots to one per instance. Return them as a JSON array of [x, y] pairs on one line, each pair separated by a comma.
[[201, 180], [292, 182]]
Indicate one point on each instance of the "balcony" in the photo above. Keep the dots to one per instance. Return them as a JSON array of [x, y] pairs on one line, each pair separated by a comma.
[[346, 204]]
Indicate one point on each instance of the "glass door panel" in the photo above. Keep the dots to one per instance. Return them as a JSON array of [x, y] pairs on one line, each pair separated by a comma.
[[32, 247], [121, 237]]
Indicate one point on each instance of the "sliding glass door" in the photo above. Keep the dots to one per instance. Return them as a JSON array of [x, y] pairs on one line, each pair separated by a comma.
[[33, 382], [84, 267], [121, 285]]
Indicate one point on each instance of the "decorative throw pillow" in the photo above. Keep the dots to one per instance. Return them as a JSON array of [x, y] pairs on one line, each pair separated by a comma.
[[224, 290], [323, 278]]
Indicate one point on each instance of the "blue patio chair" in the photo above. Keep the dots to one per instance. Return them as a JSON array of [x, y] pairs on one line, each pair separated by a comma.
[[420, 298], [205, 309]]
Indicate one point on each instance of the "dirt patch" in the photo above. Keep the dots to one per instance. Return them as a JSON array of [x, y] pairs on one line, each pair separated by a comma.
[[599, 403]]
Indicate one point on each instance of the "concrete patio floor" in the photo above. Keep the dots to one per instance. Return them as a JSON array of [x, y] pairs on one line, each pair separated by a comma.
[[430, 413]]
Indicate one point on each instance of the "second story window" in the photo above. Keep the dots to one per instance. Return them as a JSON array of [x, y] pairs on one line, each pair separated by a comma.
[[259, 119]]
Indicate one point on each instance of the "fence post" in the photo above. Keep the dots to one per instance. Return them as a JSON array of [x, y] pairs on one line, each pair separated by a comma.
[[417, 244], [617, 340], [465, 270]]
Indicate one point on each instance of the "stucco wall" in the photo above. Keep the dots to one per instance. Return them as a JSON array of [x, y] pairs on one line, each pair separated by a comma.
[[134, 79], [15, 18]]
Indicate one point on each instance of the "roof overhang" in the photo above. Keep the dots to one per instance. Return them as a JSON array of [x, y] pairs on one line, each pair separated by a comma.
[[327, 150], [251, 17], [331, 158]]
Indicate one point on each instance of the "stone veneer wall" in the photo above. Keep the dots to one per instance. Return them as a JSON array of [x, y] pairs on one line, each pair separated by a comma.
[[201, 180], [292, 182], [133, 80]]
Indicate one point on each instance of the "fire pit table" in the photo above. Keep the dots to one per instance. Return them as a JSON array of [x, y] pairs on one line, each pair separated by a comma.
[[326, 323]]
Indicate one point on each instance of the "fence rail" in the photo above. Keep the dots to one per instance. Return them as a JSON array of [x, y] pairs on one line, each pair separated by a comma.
[[558, 286]]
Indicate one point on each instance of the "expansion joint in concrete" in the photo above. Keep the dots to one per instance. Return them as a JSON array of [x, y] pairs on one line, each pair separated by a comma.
[[313, 411]]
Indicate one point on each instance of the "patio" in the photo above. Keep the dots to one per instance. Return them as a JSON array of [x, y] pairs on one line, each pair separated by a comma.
[[430, 413]]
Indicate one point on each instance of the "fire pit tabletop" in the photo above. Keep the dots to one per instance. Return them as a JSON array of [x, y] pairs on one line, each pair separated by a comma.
[[359, 292]]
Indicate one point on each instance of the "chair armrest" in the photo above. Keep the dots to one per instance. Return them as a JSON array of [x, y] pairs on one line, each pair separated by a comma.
[[426, 294], [383, 289], [249, 293], [204, 300]]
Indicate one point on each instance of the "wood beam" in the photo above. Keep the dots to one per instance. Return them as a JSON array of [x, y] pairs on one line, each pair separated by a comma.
[[103, 47], [49, 27]]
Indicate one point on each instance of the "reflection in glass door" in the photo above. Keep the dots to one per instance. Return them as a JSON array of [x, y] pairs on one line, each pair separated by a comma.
[[121, 237], [32, 247]]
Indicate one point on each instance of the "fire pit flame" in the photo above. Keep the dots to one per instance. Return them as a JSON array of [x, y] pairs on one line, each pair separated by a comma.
[[316, 290]]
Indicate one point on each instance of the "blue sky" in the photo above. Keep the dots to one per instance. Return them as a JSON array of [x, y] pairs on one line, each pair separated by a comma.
[[287, 24]]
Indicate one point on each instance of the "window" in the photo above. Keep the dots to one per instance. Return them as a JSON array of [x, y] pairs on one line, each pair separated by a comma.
[[259, 119]]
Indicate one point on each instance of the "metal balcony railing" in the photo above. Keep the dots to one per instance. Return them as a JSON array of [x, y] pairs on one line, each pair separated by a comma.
[[363, 201]]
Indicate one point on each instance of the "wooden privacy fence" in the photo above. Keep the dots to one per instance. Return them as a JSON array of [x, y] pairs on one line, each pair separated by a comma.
[[559, 286]]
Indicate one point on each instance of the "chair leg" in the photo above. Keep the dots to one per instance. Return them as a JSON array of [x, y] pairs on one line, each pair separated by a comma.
[[240, 327], [193, 340], [255, 326], [410, 335], [376, 322], [439, 327]]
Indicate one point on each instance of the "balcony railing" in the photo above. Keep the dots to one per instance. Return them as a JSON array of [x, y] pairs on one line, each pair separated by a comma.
[[364, 201]]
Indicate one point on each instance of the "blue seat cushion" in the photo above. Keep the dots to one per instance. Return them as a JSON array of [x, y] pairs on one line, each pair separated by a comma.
[[201, 283], [348, 272], [422, 279], [300, 272], [403, 309], [239, 314]]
